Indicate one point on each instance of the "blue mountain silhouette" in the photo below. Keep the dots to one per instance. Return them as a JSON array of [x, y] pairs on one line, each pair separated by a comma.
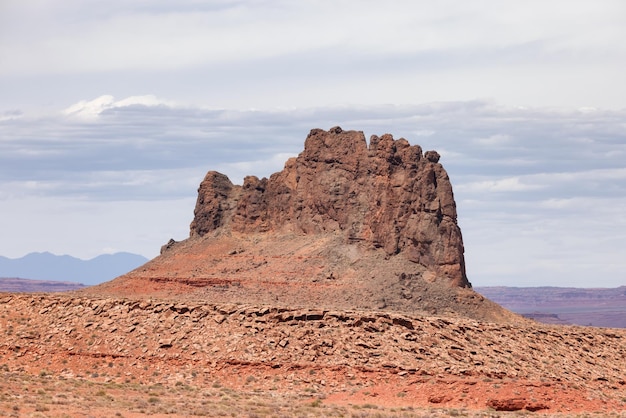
[[47, 266]]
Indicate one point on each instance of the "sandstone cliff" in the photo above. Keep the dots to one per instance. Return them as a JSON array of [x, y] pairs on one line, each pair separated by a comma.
[[388, 195]]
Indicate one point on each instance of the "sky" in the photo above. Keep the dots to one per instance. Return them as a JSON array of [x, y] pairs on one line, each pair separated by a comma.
[[112, 112]]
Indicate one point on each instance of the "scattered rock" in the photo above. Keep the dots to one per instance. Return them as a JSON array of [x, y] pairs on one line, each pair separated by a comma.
[[510, 404], [439, 398], [165, 343]]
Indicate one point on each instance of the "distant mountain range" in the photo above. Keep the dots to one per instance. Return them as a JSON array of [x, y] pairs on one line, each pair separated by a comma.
[[29, 286], [563, 305], [65, 268]]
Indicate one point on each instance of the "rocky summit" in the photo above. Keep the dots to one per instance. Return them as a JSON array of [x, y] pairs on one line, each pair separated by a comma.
[[345, 225]]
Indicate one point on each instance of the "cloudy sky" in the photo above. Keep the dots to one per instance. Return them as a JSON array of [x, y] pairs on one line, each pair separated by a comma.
[[111, 112]]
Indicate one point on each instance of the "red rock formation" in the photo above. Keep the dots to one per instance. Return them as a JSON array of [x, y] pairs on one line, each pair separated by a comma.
[[387, 195], [214, 205]]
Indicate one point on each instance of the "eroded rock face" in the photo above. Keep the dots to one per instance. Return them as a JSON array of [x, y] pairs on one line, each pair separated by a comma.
[[388, 195], [215, 203]]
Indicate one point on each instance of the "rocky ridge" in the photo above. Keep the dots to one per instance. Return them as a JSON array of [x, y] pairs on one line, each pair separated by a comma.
[[145, 329], [546, 367]]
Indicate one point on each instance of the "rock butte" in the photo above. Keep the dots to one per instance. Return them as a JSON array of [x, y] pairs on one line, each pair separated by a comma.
[[387, 196], [343, 226]]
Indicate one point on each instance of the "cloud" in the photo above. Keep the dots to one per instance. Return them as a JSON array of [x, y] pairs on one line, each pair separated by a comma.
[[543, 149], [511, 184], [315, 53], [494, 140], [560, 184], [577, 242], [10, 115], [121, 35], [89, 109]]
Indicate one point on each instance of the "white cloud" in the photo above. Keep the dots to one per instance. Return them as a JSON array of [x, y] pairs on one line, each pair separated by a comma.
[[316, 53], [581, 181], [127, 37], [560, 204], [511, 184], [10, 115], [494, 140], [573, 243], [89, 109], [237, 171]]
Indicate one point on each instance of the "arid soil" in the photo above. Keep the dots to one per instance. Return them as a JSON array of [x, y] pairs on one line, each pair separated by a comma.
[[298, 271], [86, 356]]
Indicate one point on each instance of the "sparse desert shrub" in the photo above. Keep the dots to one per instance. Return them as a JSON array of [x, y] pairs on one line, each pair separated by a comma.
[[41, 408]]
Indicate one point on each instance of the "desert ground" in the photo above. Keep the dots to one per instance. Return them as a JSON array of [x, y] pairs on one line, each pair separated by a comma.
[[69, 354]]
